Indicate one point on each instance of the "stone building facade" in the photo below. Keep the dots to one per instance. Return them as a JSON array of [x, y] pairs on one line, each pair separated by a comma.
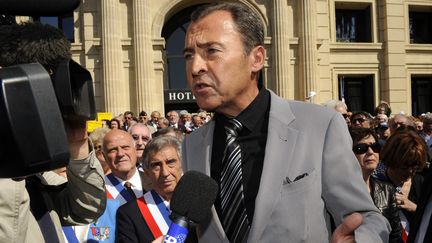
[[363, 51]]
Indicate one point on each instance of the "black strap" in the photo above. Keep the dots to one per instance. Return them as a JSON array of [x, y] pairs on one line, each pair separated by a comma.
[[40, 210]]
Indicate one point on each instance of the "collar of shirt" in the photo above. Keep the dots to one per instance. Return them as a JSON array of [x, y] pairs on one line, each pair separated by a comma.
[[250, 116], [136, 183]]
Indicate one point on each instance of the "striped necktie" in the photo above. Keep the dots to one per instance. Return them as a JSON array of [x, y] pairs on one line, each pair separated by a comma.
[[128, 187], [233, 210]]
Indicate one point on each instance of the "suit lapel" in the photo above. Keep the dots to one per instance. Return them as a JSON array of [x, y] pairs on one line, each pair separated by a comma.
[[201, 147], [281, 140]]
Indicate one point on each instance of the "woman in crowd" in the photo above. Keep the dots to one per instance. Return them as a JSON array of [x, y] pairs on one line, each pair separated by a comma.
[[96, 137], [403, 155], [366, 149], [114, 124]]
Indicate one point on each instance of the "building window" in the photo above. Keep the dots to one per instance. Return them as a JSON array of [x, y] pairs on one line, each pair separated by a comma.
[[177, 93], [7, 19], [420, 26], [421, 93], [357, 91], [353, 23], [174, 32], [174, 56], [64, 22]]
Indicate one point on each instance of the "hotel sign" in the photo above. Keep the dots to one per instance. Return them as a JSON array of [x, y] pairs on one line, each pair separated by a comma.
[[175, 96]]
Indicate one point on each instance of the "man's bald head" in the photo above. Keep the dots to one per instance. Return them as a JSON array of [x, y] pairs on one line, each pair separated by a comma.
[[120, 153]]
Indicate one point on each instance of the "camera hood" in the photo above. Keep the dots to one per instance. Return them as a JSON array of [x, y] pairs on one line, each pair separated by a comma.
[[31, 125], [74, 89]]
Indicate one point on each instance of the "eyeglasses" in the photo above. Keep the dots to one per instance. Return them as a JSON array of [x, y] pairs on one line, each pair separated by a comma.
[[137, 137], [128, 118], [383, 126], [359, 120], [362, 148], [99, 147]]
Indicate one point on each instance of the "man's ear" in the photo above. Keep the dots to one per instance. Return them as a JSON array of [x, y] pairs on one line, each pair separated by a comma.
[[257, 55], [104, 155]]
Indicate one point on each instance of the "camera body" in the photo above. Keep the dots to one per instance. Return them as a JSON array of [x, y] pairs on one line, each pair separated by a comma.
[[32, 109]]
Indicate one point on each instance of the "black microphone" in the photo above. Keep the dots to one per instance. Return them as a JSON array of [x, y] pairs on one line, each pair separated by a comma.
[[38, 7], [190, 204]]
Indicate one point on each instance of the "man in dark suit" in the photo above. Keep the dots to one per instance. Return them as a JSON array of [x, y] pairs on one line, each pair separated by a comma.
[[147, 218], [123, 184], [260, 144]]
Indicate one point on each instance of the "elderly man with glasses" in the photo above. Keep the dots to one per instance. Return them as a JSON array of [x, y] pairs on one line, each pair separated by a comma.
[[361, 119]]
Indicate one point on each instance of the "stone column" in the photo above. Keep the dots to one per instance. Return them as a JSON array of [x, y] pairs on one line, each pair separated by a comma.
[[308, 46], [143, 56], [113, 87], [281, 50], [395, 88]]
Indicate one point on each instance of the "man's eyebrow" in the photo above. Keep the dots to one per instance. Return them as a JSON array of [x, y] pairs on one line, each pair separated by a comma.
[[201, 45], [187, 49], [154, 162]]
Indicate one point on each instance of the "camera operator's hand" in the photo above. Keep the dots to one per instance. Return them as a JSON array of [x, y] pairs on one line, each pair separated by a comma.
[[76, 132]]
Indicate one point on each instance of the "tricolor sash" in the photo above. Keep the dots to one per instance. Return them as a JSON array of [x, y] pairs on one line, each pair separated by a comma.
[[155, 213], [405, 226], [116, 190], [69, 233]]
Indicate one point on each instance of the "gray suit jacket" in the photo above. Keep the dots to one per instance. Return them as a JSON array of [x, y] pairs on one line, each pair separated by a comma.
[[303, 139]]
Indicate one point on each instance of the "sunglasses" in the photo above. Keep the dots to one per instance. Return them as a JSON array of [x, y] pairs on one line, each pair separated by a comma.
[[345, 116], [362, 148], [360, 120]]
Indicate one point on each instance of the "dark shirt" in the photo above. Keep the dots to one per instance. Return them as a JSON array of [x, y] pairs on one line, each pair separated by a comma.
[[252, 140]]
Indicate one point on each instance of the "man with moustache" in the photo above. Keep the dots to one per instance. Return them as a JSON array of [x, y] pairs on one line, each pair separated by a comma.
[[147, 218]]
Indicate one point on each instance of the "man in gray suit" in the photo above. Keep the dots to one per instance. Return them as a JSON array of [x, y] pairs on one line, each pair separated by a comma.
[[297, 172]]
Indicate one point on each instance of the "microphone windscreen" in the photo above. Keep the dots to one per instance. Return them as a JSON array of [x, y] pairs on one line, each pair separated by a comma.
[[38, 7], [194, 196]]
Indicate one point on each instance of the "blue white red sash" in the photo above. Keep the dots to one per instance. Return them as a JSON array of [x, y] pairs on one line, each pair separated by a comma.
[[155, 213], [405, 226], [116, 190], [69, 233]]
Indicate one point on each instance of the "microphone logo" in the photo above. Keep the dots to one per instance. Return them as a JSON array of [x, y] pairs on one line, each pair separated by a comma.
[[170, 239], [176, 233]]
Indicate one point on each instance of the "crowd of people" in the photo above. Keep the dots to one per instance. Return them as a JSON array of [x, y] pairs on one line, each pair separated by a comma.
[[182, 120], [394, 152]]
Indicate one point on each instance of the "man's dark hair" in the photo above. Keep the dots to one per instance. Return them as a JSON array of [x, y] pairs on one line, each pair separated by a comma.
[[33, 42], [7, 19], [247, 21], [143, 113], [365, 114], [128, 113]]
